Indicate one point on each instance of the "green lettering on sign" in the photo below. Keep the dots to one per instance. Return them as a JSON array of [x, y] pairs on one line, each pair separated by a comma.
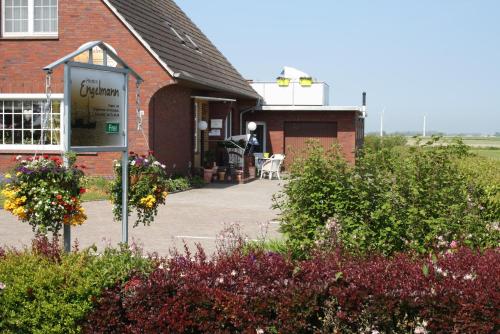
[[112, 127]]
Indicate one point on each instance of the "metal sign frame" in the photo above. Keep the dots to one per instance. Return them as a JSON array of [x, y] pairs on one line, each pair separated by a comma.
[[67, 101], [69, 63]]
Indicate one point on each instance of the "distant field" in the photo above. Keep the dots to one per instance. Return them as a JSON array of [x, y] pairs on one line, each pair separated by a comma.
[[489, 153], [483, 146], [479, 142]]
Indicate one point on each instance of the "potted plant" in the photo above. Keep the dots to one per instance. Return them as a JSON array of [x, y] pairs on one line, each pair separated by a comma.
[[221, 173], [283, 82], [238, 175], [208, 162]]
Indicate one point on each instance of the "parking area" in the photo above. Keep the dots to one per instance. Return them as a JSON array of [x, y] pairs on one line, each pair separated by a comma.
[[191, 217]]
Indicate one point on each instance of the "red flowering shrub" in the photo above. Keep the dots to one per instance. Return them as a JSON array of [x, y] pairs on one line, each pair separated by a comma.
[[330, 293]]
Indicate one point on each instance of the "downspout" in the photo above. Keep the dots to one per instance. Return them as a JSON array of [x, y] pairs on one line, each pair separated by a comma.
[[244, 111]]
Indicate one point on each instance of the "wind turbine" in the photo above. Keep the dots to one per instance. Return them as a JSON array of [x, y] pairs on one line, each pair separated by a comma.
[[382, 123], [424, 129]]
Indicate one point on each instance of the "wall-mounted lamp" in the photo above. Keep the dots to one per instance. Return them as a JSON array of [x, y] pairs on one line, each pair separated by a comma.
[[252, 126], [202, 125]]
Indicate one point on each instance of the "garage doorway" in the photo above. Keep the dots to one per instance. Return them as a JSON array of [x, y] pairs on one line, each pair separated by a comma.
[[297, 134]]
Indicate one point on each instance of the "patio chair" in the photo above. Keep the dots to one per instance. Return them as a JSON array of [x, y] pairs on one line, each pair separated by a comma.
[[258, 161], [272, 166]]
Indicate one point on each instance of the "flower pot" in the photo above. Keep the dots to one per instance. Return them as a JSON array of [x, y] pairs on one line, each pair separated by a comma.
[[207, 175], [134, 179], [238, 176], [222, 176], [306, 81], [283, 82]]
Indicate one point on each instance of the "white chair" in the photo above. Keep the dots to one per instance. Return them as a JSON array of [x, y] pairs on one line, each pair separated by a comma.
[[258, 161], [272, 166]]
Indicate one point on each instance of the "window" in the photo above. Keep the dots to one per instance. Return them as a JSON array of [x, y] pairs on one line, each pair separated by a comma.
[[29, 18], [23, 124], [195, 46], [183, 41]]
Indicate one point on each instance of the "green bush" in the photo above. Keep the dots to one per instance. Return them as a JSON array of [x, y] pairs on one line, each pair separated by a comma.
[[376, 143], [178, 184], [419, 198], [47, 291]]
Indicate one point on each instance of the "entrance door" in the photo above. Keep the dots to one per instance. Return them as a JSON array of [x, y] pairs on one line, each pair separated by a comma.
[[297, 134], [261, 134]]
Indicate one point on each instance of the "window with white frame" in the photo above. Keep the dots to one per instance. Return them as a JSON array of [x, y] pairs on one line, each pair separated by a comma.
[[25, 125], [29, 18]]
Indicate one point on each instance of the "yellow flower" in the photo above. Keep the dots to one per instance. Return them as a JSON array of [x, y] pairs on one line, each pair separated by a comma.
[[18, 173], [20, 212], [165, 194], [8, 176], [148, 201]]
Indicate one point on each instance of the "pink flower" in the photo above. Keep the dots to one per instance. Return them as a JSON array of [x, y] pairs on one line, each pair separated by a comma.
[[453, 244]]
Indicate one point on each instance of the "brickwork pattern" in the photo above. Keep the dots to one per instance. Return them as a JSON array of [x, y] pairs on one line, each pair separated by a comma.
[[22, 60], [275, 121]]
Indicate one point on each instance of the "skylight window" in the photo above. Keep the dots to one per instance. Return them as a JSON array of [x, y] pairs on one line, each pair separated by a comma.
[[196, 47], [183, 41]]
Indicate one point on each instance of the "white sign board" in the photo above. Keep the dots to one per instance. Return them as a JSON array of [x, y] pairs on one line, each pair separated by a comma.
[[98, 108], [216, 123], [214, 133]]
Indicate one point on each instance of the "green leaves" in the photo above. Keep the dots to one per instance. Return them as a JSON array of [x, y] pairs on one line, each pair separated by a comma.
[[47, 296], [394, 199]]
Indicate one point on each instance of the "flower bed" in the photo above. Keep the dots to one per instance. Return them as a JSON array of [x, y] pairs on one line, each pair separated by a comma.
[[45, 193]]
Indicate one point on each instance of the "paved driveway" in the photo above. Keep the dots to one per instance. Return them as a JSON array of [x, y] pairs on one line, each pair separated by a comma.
[[195, 216]]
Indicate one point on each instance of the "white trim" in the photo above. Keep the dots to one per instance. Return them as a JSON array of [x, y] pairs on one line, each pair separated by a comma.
[[139, 37], [10, 96], [264, 144], [31, 27], [5, 148], [309, 108]]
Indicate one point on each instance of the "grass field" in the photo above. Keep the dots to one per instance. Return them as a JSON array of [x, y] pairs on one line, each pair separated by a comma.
[[488, 153], [488, 147]]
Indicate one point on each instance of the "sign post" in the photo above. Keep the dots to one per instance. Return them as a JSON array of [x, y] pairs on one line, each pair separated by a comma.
[[96, 111]]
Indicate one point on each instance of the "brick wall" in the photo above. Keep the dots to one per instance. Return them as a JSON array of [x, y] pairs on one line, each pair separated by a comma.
[[172, 127], [275, 120], [21, 63]]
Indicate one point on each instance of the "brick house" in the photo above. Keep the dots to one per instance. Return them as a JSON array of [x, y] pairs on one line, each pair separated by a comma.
[[186, 80], [291, 113]]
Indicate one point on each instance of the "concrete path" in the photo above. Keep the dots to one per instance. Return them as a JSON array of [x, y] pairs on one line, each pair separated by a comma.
[[195, 216]]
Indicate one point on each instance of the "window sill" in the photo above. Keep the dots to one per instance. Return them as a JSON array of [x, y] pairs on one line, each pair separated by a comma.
[[40, 152], [30, 37]]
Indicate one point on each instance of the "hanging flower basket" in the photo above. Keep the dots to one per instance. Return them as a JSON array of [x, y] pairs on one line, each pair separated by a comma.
[[147, 188], [45, 194]]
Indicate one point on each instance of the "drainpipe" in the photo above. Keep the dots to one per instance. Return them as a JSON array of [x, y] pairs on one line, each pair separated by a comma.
[[244, 111]]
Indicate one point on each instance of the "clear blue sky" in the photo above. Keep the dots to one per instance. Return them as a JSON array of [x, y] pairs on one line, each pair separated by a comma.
[[415, 57]]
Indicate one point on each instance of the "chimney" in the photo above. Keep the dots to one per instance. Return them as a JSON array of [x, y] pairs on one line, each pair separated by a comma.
[[363, 108]]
